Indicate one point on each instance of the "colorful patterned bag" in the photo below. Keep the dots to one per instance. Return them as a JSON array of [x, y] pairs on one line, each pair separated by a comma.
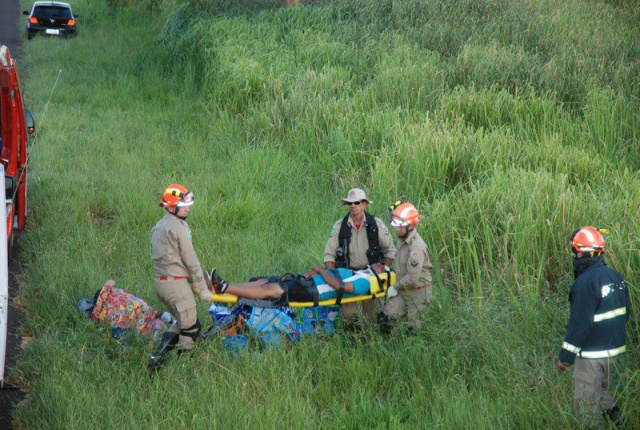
[[122, 310]]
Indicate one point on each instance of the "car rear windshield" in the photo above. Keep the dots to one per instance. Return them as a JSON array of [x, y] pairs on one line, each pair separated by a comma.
[[54, 12]]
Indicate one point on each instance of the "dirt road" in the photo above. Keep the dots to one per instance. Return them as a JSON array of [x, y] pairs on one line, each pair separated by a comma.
[[9, 26]]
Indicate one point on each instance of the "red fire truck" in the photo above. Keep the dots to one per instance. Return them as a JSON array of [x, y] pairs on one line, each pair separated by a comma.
[[15, 125]]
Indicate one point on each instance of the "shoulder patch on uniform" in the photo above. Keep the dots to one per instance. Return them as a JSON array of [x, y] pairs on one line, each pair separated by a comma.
[[189, 235], [333, 230], [414, 258]]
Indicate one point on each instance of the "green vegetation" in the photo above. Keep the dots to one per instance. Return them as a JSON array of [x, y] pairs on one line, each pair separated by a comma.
[[509, 123]]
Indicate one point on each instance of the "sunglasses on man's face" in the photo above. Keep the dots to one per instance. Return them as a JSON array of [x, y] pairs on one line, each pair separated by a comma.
[[354, 203]]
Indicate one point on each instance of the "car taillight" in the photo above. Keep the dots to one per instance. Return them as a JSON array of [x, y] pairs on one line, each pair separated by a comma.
[[33, 20], [71, 22]]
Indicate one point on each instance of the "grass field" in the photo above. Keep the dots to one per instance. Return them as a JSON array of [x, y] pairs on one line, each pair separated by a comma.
[[509, 124]]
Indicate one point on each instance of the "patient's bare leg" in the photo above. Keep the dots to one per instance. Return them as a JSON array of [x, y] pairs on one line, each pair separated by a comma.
[[259, 289]]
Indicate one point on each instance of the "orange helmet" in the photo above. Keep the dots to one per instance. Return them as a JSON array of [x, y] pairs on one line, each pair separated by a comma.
[[587, 239], [176, 195], [405, 215]]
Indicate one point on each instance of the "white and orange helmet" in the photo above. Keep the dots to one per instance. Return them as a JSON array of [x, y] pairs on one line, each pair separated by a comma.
[[176, 195], [405, 215], [588, 239]]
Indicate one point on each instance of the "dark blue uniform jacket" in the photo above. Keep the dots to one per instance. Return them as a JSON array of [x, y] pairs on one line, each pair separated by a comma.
[[600, 309]]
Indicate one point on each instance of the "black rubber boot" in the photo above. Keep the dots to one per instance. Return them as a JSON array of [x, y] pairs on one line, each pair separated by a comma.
[[168, 342], [613, 415], [385, 323]]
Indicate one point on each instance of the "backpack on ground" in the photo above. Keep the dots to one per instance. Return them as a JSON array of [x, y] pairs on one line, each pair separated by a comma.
[[121, 310]]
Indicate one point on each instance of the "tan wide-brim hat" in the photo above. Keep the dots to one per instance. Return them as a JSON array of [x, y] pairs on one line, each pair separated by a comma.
[[355, 195]]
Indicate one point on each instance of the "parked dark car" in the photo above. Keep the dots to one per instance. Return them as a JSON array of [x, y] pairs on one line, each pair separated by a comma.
[[51, 18]]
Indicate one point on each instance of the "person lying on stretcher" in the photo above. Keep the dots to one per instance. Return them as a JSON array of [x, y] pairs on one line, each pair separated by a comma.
[[317, 284]]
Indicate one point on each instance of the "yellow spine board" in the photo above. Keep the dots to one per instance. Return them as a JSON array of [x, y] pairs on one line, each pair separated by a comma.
[[376, 292]]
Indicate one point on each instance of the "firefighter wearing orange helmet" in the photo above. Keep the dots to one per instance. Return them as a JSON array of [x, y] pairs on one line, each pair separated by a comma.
[[178, 272], [412, 293], [596, 332]]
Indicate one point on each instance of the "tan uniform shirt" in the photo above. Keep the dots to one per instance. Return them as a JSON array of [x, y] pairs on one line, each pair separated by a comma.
[[413, 263], [359, 243], [172, 251]]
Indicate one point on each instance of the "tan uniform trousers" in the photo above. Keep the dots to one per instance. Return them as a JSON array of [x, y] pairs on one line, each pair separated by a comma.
[[412, 303], [369, 308], [591, 394], [178, 298]]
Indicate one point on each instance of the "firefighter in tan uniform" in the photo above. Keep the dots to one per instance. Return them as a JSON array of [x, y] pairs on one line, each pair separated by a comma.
[[412, 293], [178, 272], [357, 241]]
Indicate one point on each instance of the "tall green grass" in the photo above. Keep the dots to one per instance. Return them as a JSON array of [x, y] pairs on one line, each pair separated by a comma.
[[508, 123]]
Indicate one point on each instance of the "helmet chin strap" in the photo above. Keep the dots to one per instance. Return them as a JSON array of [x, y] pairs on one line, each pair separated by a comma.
[[409, 229], [175, 213]]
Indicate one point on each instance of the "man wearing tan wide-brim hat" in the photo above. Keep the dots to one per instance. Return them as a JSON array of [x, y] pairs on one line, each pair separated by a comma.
[[363, 241]]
